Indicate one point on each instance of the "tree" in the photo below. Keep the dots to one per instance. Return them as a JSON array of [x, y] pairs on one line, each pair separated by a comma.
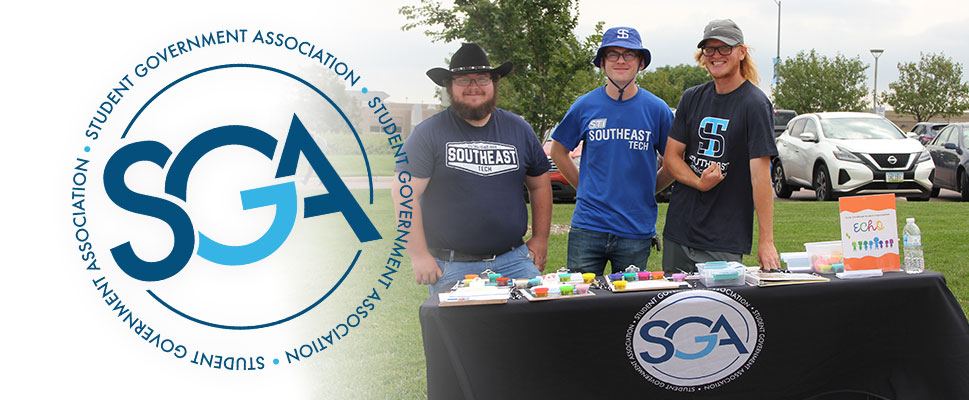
[[812, 83], [552, 66], [932, 87], [668, 83]]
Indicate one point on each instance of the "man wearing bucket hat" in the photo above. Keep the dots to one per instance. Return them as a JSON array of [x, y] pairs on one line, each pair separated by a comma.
[[719, 150], [467, 165], [623, 127]]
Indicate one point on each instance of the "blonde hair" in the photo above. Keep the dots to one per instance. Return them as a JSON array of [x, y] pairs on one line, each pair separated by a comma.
[[748, 69]]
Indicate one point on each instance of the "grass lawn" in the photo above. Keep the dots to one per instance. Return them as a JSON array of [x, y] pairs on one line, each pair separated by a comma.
[[386, 358], [353, 165]]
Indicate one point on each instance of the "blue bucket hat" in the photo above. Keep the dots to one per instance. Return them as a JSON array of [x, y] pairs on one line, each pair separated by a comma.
[[624, 37]]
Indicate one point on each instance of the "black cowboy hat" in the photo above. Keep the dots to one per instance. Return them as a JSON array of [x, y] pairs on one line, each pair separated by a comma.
[[470, 59]]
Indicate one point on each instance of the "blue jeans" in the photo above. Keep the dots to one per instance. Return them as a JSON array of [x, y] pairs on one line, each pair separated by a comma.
[[589, 250], [514, 264]]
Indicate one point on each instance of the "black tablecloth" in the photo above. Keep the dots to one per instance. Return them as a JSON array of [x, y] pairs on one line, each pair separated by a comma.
[[898, 337]]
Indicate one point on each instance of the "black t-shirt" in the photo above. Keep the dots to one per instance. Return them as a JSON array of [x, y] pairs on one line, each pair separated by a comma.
[[473, 202], [730, 129]]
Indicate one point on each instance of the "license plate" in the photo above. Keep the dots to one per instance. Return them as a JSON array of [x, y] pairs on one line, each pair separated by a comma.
[[894, 176]]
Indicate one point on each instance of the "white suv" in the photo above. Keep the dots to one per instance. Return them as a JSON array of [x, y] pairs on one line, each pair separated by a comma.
[[847, 153]]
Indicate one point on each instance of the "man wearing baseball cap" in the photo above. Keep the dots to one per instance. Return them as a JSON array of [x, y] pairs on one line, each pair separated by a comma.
[[719, 150], [466, 165], [622, 127]]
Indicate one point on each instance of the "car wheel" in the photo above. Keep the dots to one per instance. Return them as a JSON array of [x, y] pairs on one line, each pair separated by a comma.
[[822, 184], [964, 185], [781, 188], [935, 191], [924, 197]]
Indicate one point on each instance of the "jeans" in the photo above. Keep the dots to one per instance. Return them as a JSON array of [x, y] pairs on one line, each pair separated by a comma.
[[589, 250], [515, 264]]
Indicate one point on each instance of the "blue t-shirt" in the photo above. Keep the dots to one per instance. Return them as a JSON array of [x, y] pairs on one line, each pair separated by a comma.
[[473, 202], [730, 129], [617, 172]]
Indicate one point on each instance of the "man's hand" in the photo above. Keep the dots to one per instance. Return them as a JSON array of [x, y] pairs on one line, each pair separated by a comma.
[[767, 257], [538, 249], [710, 177], [426, 270]]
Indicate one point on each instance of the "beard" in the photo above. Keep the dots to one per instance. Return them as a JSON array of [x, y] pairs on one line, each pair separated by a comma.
[[468, 112]]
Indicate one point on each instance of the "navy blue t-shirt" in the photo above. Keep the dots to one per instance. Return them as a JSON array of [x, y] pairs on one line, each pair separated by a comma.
[[730, 129], [473, 202]]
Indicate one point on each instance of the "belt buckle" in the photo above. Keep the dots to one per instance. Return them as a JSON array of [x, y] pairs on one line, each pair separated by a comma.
[[493, 257]]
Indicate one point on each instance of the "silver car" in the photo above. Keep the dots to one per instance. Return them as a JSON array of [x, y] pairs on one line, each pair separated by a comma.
[[848, 153]]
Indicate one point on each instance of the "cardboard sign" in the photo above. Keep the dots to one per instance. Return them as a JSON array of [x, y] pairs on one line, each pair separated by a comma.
[[869, 232]]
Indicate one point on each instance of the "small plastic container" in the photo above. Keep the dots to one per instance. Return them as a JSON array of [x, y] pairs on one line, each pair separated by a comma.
[[620, 284], [503, 281], [615, 277], [566, 289], [493, 277], [540, 291], [630, 276], [470, 276], [824, 255], [657, 275], [720, 273], [582, 288], [588, 277], [679, 277], [534, 282], [645, 276], [564, 278], [797, 261]]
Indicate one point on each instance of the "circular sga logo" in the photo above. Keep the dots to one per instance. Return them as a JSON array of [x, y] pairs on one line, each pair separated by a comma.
[[209, 198], [694, 340]]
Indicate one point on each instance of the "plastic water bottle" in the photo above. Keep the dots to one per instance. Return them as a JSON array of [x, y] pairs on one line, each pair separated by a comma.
[[912, 237]]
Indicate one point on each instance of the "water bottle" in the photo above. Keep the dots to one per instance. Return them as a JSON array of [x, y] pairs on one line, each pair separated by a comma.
[[912, 239]]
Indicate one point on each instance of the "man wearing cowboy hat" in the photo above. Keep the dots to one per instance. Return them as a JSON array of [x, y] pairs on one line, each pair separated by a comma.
[[623, 127], [719, 150], [467, 165]]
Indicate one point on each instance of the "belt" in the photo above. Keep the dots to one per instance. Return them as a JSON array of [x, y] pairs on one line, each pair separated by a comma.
[[458, 256]]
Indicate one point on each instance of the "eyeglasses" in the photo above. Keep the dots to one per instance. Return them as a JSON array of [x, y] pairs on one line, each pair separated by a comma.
[[465, 81], [613, 56], [724, 50]]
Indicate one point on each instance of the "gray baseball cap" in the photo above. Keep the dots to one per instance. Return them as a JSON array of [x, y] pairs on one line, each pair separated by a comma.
[[724, 30]]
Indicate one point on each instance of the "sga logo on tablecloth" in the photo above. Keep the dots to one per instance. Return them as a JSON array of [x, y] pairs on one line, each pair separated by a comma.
[[694, 340]]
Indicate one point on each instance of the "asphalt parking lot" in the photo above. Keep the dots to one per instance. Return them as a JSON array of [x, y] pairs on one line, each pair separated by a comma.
[[808, 195], [386, 182]]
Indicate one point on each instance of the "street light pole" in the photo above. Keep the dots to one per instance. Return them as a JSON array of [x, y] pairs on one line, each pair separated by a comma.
[[778, 58], [874, 95]]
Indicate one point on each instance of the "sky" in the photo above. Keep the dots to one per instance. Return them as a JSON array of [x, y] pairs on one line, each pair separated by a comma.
[[58, 59], [904, 29]]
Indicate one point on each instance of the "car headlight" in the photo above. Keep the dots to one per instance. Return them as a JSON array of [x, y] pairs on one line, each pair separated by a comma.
[[924, 156], [845, 155]]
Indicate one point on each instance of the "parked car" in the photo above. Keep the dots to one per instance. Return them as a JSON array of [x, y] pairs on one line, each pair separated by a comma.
[[950, 153], [847, 153], [781, 118], [925, 131], [562, 190]]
